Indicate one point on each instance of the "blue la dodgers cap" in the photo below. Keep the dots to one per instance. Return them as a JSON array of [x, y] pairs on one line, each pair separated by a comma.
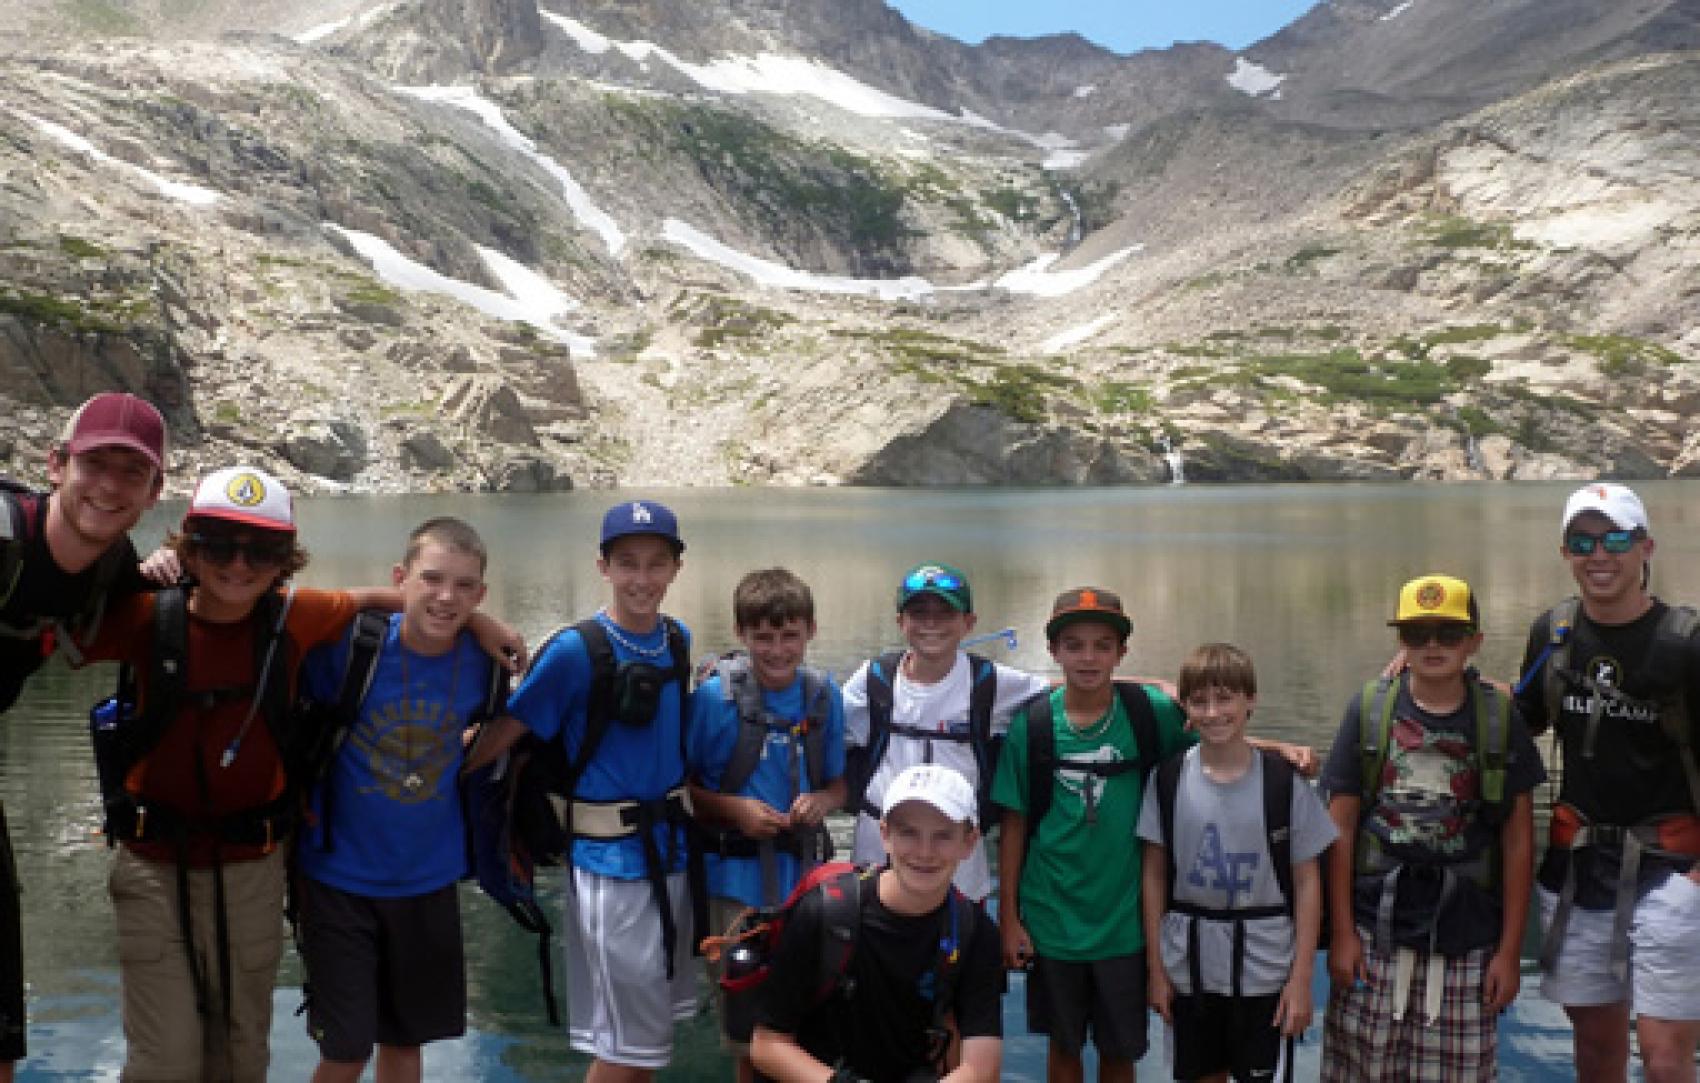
[[641, 517]]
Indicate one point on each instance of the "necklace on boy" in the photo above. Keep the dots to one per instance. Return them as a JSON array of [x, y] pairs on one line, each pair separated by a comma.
[[413, 781], [614, 633]]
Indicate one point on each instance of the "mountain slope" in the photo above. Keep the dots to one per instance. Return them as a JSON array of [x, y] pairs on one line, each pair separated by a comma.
[[481, 244]]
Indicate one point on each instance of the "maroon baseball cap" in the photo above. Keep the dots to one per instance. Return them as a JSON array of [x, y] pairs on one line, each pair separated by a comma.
[[117, 419]]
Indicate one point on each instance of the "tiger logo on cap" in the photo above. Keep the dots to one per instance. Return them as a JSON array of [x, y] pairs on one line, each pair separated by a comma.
[[1430, 596]]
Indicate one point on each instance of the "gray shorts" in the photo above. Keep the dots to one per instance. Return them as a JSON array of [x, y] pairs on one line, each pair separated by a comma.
[[1664, 954], [620, 1006]]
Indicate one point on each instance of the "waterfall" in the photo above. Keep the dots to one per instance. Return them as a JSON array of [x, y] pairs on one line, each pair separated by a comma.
[[1077, 230], [1473, 455], [1172, 456]]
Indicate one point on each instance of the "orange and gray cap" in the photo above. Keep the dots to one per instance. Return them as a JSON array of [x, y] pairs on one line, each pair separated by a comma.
[[246, 495], [117, 419], [1087, 604]]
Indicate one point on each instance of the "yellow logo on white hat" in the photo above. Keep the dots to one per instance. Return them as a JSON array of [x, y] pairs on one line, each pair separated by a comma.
[[245, 491]]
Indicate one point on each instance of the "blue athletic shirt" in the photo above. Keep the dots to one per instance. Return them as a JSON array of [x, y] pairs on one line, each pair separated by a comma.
[[397, 827], [633, 763], [713, 737]]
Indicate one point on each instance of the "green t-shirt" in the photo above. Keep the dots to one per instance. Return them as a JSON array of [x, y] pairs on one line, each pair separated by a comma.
[[1080, 880]]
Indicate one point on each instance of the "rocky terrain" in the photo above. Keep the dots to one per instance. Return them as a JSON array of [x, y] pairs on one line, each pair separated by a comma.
[[483, 244]]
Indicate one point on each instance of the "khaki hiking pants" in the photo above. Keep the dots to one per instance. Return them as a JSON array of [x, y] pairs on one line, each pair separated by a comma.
[[166, 1037]]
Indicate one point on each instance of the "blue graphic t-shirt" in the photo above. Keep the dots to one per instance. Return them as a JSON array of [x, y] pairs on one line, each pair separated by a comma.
[[395, 825], [633, 763], [713, 737]]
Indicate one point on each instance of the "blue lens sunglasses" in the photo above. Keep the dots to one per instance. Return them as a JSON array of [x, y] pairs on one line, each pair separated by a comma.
[[1615, 541]]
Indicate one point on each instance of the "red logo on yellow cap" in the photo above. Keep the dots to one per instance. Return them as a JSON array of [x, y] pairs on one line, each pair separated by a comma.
[[1430, 596]]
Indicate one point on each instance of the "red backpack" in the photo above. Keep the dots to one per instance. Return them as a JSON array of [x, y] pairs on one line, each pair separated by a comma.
[[749, 947]]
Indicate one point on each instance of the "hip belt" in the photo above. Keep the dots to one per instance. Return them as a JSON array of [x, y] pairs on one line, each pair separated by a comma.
[[1675, 836]]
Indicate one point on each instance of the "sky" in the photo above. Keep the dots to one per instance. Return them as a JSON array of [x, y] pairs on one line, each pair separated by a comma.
[[1123, 25]]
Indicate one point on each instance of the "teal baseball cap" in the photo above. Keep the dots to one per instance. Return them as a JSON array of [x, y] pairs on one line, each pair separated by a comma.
[[937, 579]]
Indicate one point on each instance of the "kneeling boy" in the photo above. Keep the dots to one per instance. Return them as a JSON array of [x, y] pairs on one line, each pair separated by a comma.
[[924, 968]]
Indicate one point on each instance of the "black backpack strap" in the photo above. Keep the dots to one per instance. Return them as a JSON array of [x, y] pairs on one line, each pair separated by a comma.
[[1278, 819], [958, 933], [598, 712], [366, 635], [982, 698], [863, 761], [1168, 783], [16, 527], [842, 900], [817, 711], [1041, 760], [1142, 717], [167, 670]]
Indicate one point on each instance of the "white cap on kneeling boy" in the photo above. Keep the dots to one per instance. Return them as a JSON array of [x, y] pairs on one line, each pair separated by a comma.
[[942, 787]]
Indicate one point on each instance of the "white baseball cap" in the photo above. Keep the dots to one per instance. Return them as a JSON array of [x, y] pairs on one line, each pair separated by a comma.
[[942, 787], [243, 494], [1617, 503]]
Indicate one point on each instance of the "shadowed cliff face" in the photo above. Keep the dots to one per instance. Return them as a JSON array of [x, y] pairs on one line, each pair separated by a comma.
[[441, 244]]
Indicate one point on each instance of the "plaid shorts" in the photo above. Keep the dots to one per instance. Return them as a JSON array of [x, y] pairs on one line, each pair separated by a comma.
[[1361, 1041]]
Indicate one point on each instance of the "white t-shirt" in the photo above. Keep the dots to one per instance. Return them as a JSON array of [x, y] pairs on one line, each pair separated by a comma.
[[942, 707]]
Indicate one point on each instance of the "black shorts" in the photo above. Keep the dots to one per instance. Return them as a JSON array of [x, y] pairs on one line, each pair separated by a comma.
[[1106, 997], [381, 970], [1236, 1035], [11, 953]]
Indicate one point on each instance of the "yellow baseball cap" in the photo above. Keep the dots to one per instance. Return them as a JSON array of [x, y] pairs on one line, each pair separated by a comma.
[[1436, 597]]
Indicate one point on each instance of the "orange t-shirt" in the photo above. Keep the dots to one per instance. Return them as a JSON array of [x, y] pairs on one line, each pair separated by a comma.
[[219, 657]]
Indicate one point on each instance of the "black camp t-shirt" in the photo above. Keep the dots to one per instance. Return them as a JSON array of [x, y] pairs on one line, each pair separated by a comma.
[[881, 1033], [44, 590], [1634, 772]]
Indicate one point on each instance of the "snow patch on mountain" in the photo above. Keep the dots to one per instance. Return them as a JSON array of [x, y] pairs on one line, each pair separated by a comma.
[[578, 200], [1254, 79], [193, 194], [530, 298]]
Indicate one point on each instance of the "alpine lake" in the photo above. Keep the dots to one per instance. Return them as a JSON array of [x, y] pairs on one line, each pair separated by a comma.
[[1303, 577]]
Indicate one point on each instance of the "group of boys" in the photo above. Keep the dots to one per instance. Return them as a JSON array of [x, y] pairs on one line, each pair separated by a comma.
[[1213, 923]]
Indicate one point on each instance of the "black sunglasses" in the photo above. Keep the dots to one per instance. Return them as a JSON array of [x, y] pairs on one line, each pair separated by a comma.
[[222, 549], [1421, 635]]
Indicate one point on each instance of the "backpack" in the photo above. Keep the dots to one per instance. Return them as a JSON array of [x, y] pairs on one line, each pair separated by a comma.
[[750, 946], [739, 685], [325, 725], [862, 762], [1278, 783], [123, 731], [519, 808], [22, 513], [1492, 712], [1278, 776], [1043, 762], [1671, 643]]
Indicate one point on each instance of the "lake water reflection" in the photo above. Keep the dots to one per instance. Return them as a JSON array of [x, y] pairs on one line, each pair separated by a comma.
[[1302, 577]]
